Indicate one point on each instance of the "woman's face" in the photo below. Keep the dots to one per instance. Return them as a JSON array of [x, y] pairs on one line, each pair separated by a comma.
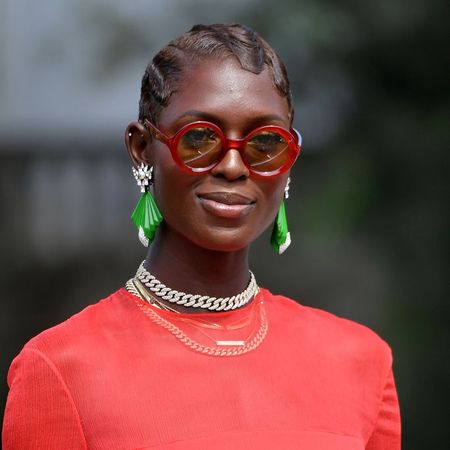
[[227, 208]]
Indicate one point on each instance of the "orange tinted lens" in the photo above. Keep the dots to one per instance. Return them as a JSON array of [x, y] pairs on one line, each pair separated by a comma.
[[199, 147], [267, 151]]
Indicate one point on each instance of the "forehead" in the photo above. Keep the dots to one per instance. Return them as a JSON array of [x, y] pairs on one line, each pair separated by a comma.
[[221, 88]]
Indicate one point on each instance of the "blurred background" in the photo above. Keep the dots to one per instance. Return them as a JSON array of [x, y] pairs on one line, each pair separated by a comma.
[[366, 211]]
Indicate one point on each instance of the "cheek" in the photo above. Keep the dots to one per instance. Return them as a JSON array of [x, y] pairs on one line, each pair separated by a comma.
[[273, 193], [169, 190], [173, 190], [164, 179], [271, 210]]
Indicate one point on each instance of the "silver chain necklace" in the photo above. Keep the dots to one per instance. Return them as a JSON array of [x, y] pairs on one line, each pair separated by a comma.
[[195, 300]]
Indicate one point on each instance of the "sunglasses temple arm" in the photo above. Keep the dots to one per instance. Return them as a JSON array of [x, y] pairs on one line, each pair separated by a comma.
[[155, 132], [299, 137]]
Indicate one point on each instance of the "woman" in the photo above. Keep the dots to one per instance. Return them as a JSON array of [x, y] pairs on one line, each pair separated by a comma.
[[193, 354]]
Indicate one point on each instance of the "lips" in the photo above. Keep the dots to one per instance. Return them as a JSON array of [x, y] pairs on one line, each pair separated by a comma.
[[228, 205], [227, 198]]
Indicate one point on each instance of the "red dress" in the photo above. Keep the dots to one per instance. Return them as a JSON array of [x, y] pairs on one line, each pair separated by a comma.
[[113, 377]]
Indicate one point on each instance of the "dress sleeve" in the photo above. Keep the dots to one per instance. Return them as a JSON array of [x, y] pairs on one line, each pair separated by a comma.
[[40, 412], [386, 432]]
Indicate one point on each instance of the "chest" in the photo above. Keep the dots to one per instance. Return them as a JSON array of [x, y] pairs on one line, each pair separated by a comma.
[[162, 395]]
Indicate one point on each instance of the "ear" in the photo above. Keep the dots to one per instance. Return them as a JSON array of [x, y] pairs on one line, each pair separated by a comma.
[[138, 141]]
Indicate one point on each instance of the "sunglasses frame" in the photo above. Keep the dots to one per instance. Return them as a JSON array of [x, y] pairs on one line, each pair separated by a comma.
[[292, 137]]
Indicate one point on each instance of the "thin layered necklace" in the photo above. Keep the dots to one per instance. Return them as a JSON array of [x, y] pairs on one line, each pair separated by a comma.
[[146, 287]]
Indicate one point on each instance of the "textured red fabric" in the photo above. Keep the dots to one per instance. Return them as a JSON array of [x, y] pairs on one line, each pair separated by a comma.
[[110, 378]]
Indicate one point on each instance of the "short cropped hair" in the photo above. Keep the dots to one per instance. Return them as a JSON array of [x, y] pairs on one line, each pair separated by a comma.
[[163, 73]]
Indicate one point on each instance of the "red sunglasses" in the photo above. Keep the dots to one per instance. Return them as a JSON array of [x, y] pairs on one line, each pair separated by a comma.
[[199, 146]]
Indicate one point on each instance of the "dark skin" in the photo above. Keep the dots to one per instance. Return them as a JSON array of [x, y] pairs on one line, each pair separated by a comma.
[[196, 250]]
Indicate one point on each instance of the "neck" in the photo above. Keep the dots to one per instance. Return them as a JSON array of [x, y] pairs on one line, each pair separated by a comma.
[[185, 266]]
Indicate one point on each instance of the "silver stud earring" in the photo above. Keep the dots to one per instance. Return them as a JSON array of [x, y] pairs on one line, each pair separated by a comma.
[[286, 189], [144, 176]]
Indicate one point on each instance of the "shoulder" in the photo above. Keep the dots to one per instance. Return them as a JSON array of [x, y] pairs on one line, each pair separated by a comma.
[[92, 328], [93, 319], [346, 366], [328, 333]]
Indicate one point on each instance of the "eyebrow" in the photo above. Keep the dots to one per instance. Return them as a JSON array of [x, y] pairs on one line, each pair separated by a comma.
[[254, 121]]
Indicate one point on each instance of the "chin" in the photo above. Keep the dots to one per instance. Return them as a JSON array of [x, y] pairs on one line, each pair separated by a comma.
[[223, 242]]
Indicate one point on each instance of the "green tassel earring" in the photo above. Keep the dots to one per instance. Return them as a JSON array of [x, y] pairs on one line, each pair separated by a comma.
[[281, 238], [146, 215]]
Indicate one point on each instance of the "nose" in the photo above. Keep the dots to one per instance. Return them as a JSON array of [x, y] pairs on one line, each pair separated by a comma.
[[231, 166]]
